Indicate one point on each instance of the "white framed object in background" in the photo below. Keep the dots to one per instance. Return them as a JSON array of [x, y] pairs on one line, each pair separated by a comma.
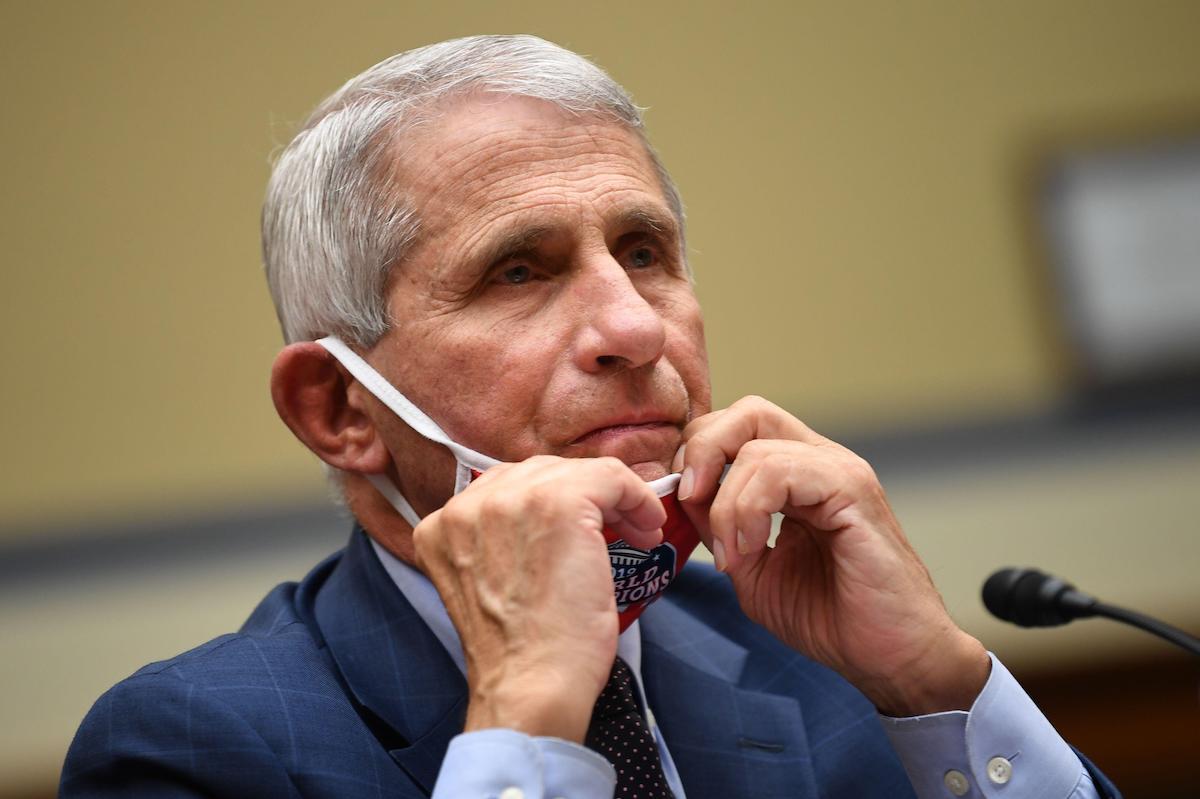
[[1124, 234]]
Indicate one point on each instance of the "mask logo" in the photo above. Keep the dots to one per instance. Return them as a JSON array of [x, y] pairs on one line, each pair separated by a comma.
[[638, 575]]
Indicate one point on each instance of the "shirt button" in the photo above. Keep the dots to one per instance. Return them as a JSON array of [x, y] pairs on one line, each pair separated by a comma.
[[956, 782], [999, 770], [512, 793]]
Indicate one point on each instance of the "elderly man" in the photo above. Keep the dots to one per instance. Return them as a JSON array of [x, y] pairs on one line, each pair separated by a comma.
[[479, 266]]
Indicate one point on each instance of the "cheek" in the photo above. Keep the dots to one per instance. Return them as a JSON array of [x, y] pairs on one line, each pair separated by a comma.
[[489, 388], [689, 353], [696, 378]]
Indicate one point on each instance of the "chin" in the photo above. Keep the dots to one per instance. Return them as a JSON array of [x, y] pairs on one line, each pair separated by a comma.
[[650, 470], [647, 451]]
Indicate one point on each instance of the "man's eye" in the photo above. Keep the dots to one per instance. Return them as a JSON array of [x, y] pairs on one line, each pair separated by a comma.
[[516, 275], [641, 257]]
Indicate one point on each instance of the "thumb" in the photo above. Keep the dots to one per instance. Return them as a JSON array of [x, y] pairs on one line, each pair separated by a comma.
[[697, 512]]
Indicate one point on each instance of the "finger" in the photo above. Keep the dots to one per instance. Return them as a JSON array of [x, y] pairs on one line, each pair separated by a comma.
[[679, 463], [721, 516], [626, 503], [635, 536], [425, 543], [812, 483], [773, 476], [613, 493], [693, 427], [748, 564], [762, 495], [740, 515], [717, 442]]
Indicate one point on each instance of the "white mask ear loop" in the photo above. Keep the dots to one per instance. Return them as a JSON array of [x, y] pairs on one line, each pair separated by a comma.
[[665, 486], [390, 396], [392, 494], [414, 417]]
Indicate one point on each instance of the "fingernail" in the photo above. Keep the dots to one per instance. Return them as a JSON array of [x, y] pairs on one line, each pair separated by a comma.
[[686, 483], [742, 545], [677, 462], [719, 554]]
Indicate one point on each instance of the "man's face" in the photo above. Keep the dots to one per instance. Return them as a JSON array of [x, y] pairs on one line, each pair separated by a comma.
[[545, 308]]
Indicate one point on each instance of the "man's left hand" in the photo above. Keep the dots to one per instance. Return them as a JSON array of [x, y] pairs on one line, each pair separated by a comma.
[[842, 583]]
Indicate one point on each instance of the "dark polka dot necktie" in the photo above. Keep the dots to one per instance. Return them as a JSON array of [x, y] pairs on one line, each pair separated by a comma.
[[619, 732]]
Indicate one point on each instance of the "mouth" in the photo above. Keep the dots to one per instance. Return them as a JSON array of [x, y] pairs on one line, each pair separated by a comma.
[[613, 433], [646, 442]]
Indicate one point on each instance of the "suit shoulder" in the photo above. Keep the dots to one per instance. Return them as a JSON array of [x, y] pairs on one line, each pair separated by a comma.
[[272, 660], [155, 733], [232, 717], [273, 638]]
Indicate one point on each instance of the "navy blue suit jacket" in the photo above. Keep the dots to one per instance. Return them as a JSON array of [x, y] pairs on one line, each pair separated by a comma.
[[335, 687]]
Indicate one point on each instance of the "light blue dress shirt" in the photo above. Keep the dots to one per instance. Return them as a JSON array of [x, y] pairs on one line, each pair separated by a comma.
[[1003, 747]]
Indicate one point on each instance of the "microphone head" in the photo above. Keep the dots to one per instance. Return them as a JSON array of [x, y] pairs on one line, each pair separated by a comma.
[[997, 592], [1030, 598]]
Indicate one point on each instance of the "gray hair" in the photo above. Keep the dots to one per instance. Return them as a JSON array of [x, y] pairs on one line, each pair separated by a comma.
[[334, 223]]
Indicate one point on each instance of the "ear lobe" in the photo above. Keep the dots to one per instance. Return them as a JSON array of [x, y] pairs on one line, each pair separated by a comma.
[[309, 389]]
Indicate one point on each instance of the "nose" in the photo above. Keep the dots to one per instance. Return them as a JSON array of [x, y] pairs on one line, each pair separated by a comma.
[[620, 329]]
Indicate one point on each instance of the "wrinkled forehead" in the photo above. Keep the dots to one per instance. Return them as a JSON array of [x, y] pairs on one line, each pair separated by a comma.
[[486, 158]]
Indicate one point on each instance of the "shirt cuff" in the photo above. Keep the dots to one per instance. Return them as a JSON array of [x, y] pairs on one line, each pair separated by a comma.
[[512, 765], [1003, 747]]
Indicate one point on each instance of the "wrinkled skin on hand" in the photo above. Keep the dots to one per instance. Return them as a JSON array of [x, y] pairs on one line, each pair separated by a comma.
[[520, 560], [842, 583]]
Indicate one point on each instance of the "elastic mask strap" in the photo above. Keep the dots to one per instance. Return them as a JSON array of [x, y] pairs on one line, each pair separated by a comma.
[[392, 494], [664, 486], [415, 418], [463, 475], [390, 396]]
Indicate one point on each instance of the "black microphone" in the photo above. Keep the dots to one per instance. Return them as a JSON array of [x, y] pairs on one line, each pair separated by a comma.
[[1032, 599], [1029, 598]]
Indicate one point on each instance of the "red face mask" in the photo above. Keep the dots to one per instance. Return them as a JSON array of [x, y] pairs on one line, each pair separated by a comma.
[[639, 576]]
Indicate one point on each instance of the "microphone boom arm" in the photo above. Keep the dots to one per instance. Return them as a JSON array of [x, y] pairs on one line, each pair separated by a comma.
[[1030, 598], [1150, 625]]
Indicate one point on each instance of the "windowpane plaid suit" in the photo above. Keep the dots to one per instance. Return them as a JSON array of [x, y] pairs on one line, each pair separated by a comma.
[[336, 688]]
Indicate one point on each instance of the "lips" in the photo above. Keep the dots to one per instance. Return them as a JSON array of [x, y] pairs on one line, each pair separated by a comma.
[[617, 431], [645, 442], [627, 424]]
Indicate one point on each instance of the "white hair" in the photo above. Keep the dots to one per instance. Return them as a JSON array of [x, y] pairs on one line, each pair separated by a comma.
[[335, 221]]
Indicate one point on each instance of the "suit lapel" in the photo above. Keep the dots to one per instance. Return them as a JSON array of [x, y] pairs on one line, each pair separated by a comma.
[[410, 693], [726, 738], [726, 734]]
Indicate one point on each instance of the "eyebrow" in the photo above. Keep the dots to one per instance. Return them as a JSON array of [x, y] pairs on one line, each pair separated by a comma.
[[526, 238], [515, 242], [647, 218]]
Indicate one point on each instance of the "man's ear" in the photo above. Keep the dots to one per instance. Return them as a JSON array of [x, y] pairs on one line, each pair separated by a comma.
[[310, 391]]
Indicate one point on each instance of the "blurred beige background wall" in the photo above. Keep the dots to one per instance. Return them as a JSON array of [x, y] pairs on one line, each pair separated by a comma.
[[851, 173], [857, 180]]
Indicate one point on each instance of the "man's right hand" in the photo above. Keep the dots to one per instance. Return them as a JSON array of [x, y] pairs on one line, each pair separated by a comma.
[[520, 560]]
